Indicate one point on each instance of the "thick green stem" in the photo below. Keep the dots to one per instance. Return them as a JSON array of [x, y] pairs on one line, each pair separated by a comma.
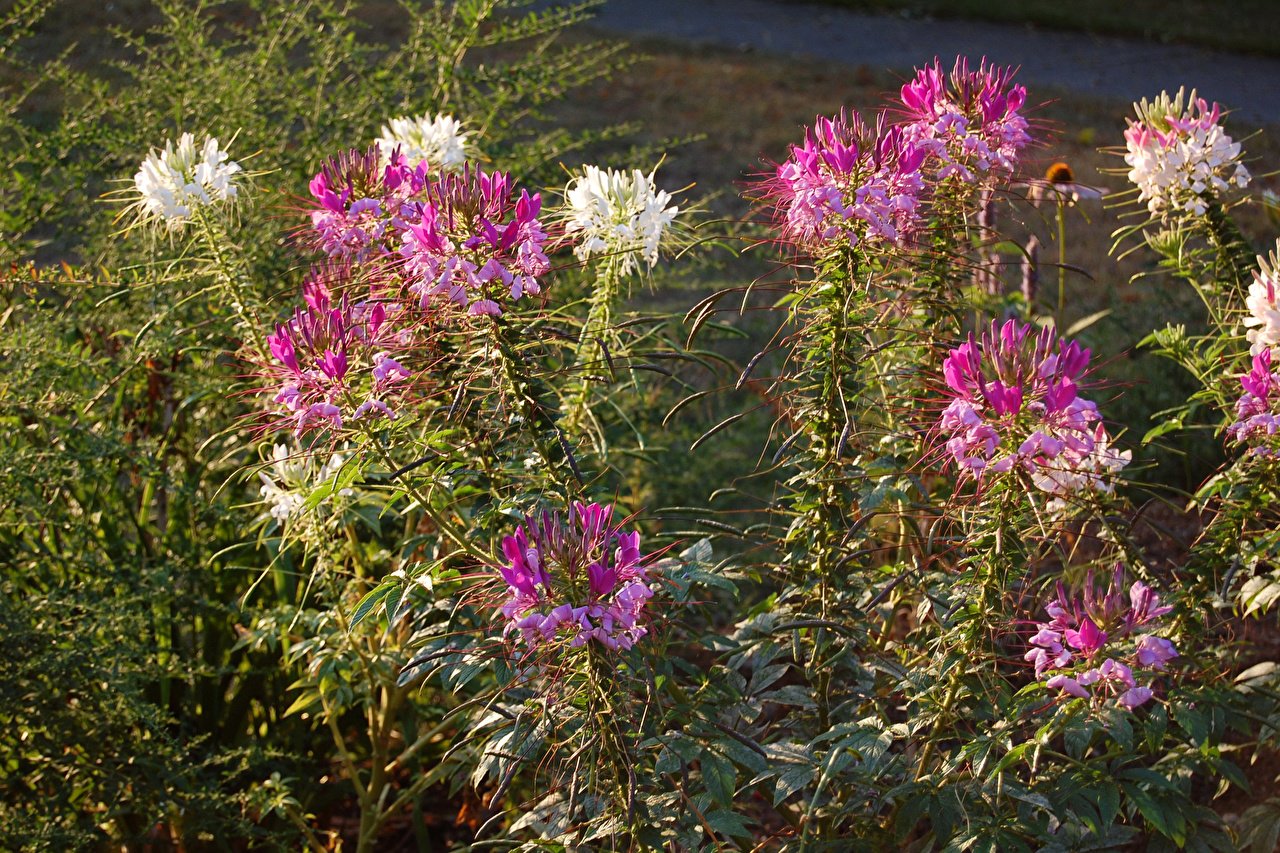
[[231, 279], [1235, 257], [595, 327], [442, 522], [530, 401]]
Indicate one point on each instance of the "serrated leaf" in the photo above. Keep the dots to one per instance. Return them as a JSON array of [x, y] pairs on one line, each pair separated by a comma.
[[719, 777], [791, 780]]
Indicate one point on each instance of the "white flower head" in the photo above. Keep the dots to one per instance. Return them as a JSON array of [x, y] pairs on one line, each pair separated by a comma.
[[1179, 156], [1074, 474], [295, 477], [1263, 303], [621, 214], [172, 183], [437, 140]]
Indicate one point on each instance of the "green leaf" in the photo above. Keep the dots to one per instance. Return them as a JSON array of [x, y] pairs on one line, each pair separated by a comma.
[[304, 702], [1259, 594], [728, 823], [909, 814], [1107, 796], [1163, 428], [742, 755], [791, 780], [372, 599], [719, 777], [1085, 322]]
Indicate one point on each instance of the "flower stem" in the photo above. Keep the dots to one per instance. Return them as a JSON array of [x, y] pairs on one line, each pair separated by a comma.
[[231, 278]]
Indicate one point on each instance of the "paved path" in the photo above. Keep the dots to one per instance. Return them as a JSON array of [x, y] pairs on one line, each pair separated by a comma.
[[1110, 68]]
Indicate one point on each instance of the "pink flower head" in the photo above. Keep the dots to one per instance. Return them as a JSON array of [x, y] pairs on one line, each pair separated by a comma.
[[1257, 418], [847, 184], [1097, 625], [360, 202], [969, 122], [1155, 652], [331, 362], [1068, 685], [473, 243], [1014, 401], [582, 580]]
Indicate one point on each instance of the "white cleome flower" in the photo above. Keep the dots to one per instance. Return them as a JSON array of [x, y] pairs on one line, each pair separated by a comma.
[[1095, 472], [1264, 312], [172, 183], [438, 141], [1180, 158], [622, 214], [294, 479]]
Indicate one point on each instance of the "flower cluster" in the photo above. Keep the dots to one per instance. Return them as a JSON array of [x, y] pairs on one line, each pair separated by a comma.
[[583, 580], [439, 141], [473, 243], [1095, 631], [1093, 471], [1263, 321], [968, 121], [1180, 158], [1257, 418], [292, 479], [362, 203], [620, 214], [336, 361], [848, 183], [1015, 401], [173, 183]]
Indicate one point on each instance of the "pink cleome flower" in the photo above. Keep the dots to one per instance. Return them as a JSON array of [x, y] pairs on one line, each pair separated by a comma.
[[582, 580], [1086, 630], [362, 202], [847, 184], [1256, 417], [470, 243], [1015, 401], [337, 361], [969, 122]]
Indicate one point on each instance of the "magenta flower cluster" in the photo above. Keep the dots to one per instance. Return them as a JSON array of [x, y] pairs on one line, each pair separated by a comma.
[[848, 183], [336, 360], [466, 237], [427, 242], [1100, 632], [583, 580], [1256, 417], [1015, 402], [969, 122], [362, 203], [472, 243]]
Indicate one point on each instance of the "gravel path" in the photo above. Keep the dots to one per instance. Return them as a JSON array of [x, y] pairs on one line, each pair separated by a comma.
[[1109, 68]]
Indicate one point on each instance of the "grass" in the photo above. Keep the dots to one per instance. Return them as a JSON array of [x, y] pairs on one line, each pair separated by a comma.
[[1248, 26]]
